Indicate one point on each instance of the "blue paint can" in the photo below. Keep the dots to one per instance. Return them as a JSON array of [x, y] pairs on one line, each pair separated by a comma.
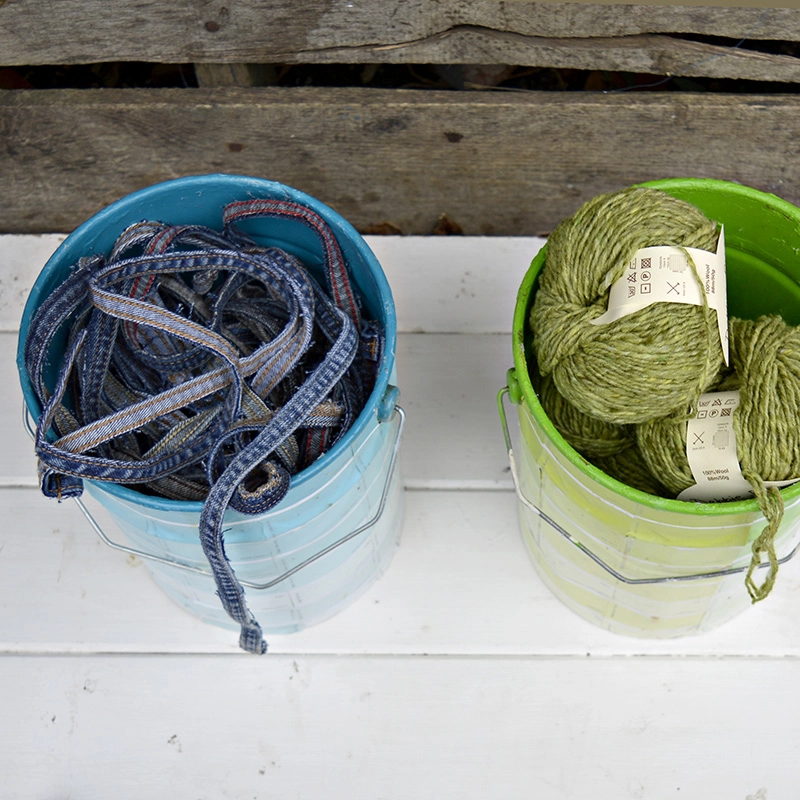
[[335, 531]]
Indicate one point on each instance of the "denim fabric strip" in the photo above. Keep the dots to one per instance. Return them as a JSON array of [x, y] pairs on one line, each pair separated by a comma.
[[336, 273], [288, 419], [55, 309], [199, 366]]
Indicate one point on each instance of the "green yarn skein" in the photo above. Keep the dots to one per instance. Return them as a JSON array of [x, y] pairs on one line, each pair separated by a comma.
[[662, 442], [591, 437], [611, 448], [765, 357], [652, 363]]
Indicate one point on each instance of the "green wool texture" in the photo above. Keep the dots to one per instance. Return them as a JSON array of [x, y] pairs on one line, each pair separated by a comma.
[[765, 356], [630, 468], [653, 363], [591, 437], [610, 447]]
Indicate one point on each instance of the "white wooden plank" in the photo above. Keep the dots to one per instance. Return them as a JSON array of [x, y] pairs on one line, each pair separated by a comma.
[[397, 728], [461, 582], [448, 387], [455, 284], [448, 284], [21, 259]]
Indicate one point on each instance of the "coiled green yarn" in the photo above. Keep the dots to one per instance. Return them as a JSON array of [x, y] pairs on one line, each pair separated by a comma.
[[662, 442], [765, 356], [630, 468], [591, 437], [610, 447], [653, 363]]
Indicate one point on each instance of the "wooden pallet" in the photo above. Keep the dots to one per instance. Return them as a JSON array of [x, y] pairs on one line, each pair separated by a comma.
[[495, 162]]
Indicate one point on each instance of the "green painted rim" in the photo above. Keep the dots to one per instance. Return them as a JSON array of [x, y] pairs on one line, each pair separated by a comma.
[[743, 211]]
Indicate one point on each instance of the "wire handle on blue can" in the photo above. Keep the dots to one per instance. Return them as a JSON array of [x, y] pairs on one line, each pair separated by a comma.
[[188, 567]]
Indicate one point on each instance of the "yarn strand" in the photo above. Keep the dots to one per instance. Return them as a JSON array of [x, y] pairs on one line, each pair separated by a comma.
[[770, 501]]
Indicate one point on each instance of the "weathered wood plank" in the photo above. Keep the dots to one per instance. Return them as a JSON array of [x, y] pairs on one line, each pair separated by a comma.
[[466, 44], [495, 162], [264, 31], [663, 55]]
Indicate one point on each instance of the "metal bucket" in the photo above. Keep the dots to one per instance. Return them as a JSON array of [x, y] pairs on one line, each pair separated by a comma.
[[335, 531], [625, 560]]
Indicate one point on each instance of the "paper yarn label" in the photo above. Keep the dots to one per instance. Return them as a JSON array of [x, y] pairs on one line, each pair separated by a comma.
[[665, 275], [711, 451]]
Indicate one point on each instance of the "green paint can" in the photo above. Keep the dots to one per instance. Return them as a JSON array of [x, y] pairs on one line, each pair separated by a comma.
[[627, 561]]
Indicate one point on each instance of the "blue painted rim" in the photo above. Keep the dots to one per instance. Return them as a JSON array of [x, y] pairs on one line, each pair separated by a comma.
[[171, 201]]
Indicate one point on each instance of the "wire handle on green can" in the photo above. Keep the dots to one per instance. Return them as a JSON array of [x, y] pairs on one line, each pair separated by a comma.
[[509, 391]]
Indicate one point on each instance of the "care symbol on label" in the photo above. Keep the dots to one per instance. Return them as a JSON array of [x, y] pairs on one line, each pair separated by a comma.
[[645, 276], [721, 439], [676, 263]]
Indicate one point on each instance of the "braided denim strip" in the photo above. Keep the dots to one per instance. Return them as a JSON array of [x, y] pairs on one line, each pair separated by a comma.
[[197, 365]]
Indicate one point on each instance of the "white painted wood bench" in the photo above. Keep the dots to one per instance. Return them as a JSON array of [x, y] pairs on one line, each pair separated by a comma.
[[458, 675]]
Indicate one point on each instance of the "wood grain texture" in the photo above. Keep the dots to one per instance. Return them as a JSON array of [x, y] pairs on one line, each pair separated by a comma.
[[498, 163], [209, 727], [32, 32], [662, 55]]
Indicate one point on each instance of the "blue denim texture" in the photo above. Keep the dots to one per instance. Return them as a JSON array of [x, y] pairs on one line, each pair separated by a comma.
[[197, 365]]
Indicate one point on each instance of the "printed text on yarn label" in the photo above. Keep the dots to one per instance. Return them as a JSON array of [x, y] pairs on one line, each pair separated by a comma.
[[712, 455], [711, 451], [672, 275]]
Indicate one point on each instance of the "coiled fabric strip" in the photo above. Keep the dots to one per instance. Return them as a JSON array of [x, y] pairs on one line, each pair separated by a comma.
[[196, 365]]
